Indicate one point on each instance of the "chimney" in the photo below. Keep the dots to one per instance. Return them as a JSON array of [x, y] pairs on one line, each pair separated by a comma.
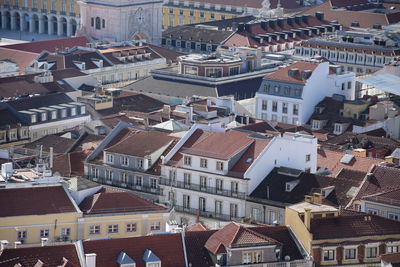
[[43, 241], [307, 218], [51, 158], [320, 15], [317, 197], [305, 18], [4, 244], [297, 19], [90, 259]]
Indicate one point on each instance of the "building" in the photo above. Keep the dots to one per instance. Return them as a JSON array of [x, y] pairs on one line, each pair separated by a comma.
[[120, 214], [345, 240], [359, 51], [129, 158], [109, 65], [290, 94], [103, 20], [178, 13], [210, 171], [56, 17], [38, 214], [358, 13], [11, 128], [48, 114]]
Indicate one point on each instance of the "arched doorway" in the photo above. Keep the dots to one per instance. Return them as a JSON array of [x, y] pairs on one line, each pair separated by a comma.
[[64, 26], [53, 25], [26, 22], [45, 24], [8, 20], [35, 21], [74, 27], [17, 18]]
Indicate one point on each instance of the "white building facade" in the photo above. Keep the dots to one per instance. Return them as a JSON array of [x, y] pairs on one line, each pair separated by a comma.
[[206, 185], [290, 94]]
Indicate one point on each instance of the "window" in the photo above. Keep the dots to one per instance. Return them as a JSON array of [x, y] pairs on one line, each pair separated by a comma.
[[138, 180], [153, 264], [276, 89], [187, 160], [172, 175], [264, 104], [171, 11], [22, 234], [110, 158], [343, 86], [124, 177], [371, 252], [44, 5], [66, 231], [295, 109], [33, 119], [234, 71], [44, 233], [124, 161], [94, 229], [284, 108], [350, 253], [92, 22], [214, 72], [131, 227], [203, 163], [287, 90], [153, 183], [338, 128], [393, 216], [103, 23], [297, 91], [191, 70], [234, 187], [109, 175], [73, 111], [72, 6], [329, 255], [218, 207], [113, 228], [308, 157], [202, 204], [220, 166], [256, 214], [186, 179], [95, 172], [219, 184], [140, 164], [392, 249], [201, 14], [98, 23], [251, 257], [274, 106], [203, 182], [233, 210], [349, 85], [63, 113], [186, 201]]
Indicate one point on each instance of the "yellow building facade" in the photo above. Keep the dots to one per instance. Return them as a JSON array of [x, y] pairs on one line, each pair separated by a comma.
[[53, 17]]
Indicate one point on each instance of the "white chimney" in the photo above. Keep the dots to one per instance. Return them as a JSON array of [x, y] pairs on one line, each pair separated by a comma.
[[17, 243], [90, 259], [4, 244], [44, 240]]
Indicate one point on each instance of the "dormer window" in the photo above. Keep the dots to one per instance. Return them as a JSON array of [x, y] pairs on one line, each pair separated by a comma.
[[54, 115], [63, 113], [33, 118], [220, 166], [73, 111], [151, 259], [140, 164], [43, 117], [124, 161], [83, 110], [203, 163], [288, 187], [187, 160], [110, 158]]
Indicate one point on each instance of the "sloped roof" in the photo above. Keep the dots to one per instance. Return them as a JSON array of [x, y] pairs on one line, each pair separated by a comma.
[[50, 45], [35, 201], [48, 255], [353, 226], [115, 201], [149, 256], [168, 247], [235, 235], [22, 58], [39, 101], [124, 258], [172, 126], [283, 73]]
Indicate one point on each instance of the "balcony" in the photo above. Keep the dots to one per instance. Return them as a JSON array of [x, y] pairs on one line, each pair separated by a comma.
[[131, 186], [206, 189], [206, 214]]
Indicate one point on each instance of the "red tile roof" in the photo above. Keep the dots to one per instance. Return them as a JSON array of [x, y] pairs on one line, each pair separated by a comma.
[[382, 180], [366, 19], [235, 234], [141, 143], [283, 73], [71, 164], [391, 258], [35, 201], [48, 255], [115, 201], [50, 45], [353, 226], [331, 160], [196, 227], [389, 197], [22, 58], [167, 247]]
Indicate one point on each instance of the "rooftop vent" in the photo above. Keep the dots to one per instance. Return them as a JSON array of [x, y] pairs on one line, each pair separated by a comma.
[[346, 159], [293, 72]]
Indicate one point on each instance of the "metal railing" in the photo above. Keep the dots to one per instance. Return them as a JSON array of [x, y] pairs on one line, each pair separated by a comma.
[[131, 186], [206, 214], [205, 189]]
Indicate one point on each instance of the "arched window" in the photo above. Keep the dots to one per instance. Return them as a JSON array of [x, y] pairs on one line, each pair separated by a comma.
[[98, 23], [104, 23]]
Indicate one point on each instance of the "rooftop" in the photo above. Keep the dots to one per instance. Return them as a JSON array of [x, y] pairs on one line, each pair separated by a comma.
[[284, 74], [108, 201], [35, 201]]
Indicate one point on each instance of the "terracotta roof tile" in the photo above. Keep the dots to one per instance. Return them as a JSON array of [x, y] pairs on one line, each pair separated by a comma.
[[353, 226], [283, 73], [50, 45], [167, 247], [48, 255], [391, 258], [196, 227], [114, 201], [35, 201], [22, 58]]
